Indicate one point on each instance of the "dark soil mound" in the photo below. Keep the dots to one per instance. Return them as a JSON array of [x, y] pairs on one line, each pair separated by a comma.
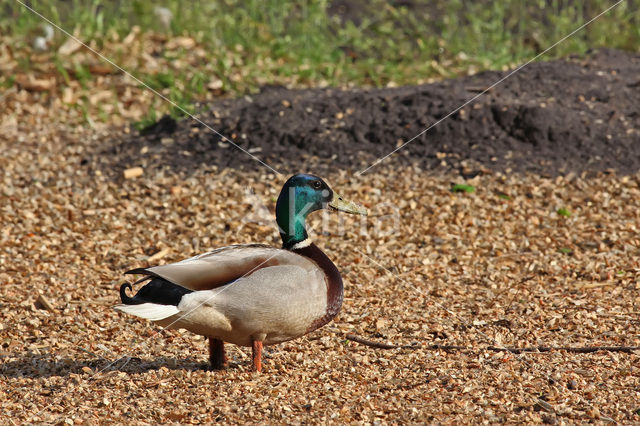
[[576, 115]]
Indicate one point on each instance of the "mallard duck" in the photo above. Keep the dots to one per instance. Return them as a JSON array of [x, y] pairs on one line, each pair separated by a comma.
[[250, 295]]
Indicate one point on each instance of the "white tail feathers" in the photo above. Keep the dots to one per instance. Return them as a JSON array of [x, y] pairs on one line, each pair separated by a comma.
[[150, 311]]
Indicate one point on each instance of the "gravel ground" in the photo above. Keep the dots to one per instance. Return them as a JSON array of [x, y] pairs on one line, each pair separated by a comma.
[[496, 267]]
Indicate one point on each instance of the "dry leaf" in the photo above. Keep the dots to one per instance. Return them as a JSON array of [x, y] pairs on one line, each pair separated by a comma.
[[183, 42], [35, 84], [159, 255], [69, 46]]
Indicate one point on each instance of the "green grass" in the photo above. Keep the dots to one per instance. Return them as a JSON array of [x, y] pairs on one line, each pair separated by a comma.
[[252, 43], [460, 187]]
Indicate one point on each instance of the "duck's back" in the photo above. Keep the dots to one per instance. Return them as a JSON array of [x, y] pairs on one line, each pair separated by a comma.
[[224, 265]]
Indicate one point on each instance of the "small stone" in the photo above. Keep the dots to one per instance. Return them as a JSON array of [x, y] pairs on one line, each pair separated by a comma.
[[44, 303], [133, 172], [545, 406]]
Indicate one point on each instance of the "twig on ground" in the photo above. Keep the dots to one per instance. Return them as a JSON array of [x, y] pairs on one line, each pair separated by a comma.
[[380, 345], [93, 354], [577, 350], [370, 343]]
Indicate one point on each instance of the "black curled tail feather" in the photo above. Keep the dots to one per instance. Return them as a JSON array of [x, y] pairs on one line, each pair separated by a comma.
[[126, 299], [158, 291]]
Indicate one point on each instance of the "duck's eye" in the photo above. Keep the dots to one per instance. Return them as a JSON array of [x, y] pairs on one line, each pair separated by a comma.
[[317, 184]]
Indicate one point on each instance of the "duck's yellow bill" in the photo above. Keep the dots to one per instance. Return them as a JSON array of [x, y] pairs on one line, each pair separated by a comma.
[[343, 205]]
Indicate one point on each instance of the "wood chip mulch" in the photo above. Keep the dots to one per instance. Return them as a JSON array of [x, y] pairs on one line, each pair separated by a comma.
[[517, 302], [449, 279]]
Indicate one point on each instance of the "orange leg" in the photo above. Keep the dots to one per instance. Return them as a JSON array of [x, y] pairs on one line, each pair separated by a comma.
[[257, 355], [216, 353]]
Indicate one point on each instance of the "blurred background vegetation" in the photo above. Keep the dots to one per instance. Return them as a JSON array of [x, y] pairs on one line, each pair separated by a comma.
[[244, 45]]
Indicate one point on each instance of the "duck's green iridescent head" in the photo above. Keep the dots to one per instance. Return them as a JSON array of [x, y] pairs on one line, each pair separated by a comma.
[[301, 195]]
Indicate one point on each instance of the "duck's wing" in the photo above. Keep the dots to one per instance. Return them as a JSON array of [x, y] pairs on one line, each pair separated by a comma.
[[224, 265]]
